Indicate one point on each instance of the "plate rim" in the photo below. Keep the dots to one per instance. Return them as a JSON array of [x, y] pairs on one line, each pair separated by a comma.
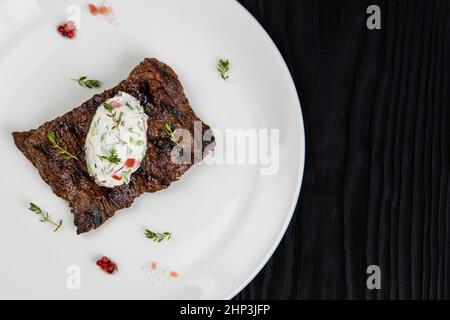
[[295, 201]]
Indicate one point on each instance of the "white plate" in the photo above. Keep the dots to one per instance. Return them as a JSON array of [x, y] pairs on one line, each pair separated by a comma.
[[226, 220]]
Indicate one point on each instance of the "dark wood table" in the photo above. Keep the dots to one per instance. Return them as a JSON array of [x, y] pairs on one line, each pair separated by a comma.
[[376, 184]]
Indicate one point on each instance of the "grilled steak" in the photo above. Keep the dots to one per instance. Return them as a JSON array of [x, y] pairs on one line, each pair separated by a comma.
[[159, 91]]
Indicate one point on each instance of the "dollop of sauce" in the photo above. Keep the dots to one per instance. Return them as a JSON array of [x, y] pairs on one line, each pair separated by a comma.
[[117, 140]]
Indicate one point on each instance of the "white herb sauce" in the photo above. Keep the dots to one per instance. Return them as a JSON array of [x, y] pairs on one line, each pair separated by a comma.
[[117, 140]]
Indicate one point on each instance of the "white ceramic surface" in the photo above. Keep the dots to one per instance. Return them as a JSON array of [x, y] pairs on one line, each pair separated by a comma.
[[226, 220]]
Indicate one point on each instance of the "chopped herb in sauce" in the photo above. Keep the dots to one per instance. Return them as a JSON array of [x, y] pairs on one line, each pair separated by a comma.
[[113, 157]]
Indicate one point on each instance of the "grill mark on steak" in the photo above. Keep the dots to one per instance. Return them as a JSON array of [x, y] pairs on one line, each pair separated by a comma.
[[159, 91]]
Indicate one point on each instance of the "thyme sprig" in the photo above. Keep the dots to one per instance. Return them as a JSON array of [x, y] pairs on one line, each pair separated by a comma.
[[112, 114], [44, 216], [171, 132], [85, 82], [223, 67], [62, 150], [156, 236], [113, 157]]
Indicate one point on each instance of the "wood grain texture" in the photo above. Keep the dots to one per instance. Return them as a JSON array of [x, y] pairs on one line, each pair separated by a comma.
[[376, 184]]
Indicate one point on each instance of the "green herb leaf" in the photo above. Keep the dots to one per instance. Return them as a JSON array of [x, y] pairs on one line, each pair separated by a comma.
[[108, 107], [44, 216], [112, 114], [84, 82], [223, 67], [62, 150], [156, 236], [117, 121], [113, 157], [136, 142], [52, 138], [171, 133]]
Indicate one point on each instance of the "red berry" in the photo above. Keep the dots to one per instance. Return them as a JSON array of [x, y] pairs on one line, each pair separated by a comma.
[[67, 30], [69, 26], [106, 265]]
